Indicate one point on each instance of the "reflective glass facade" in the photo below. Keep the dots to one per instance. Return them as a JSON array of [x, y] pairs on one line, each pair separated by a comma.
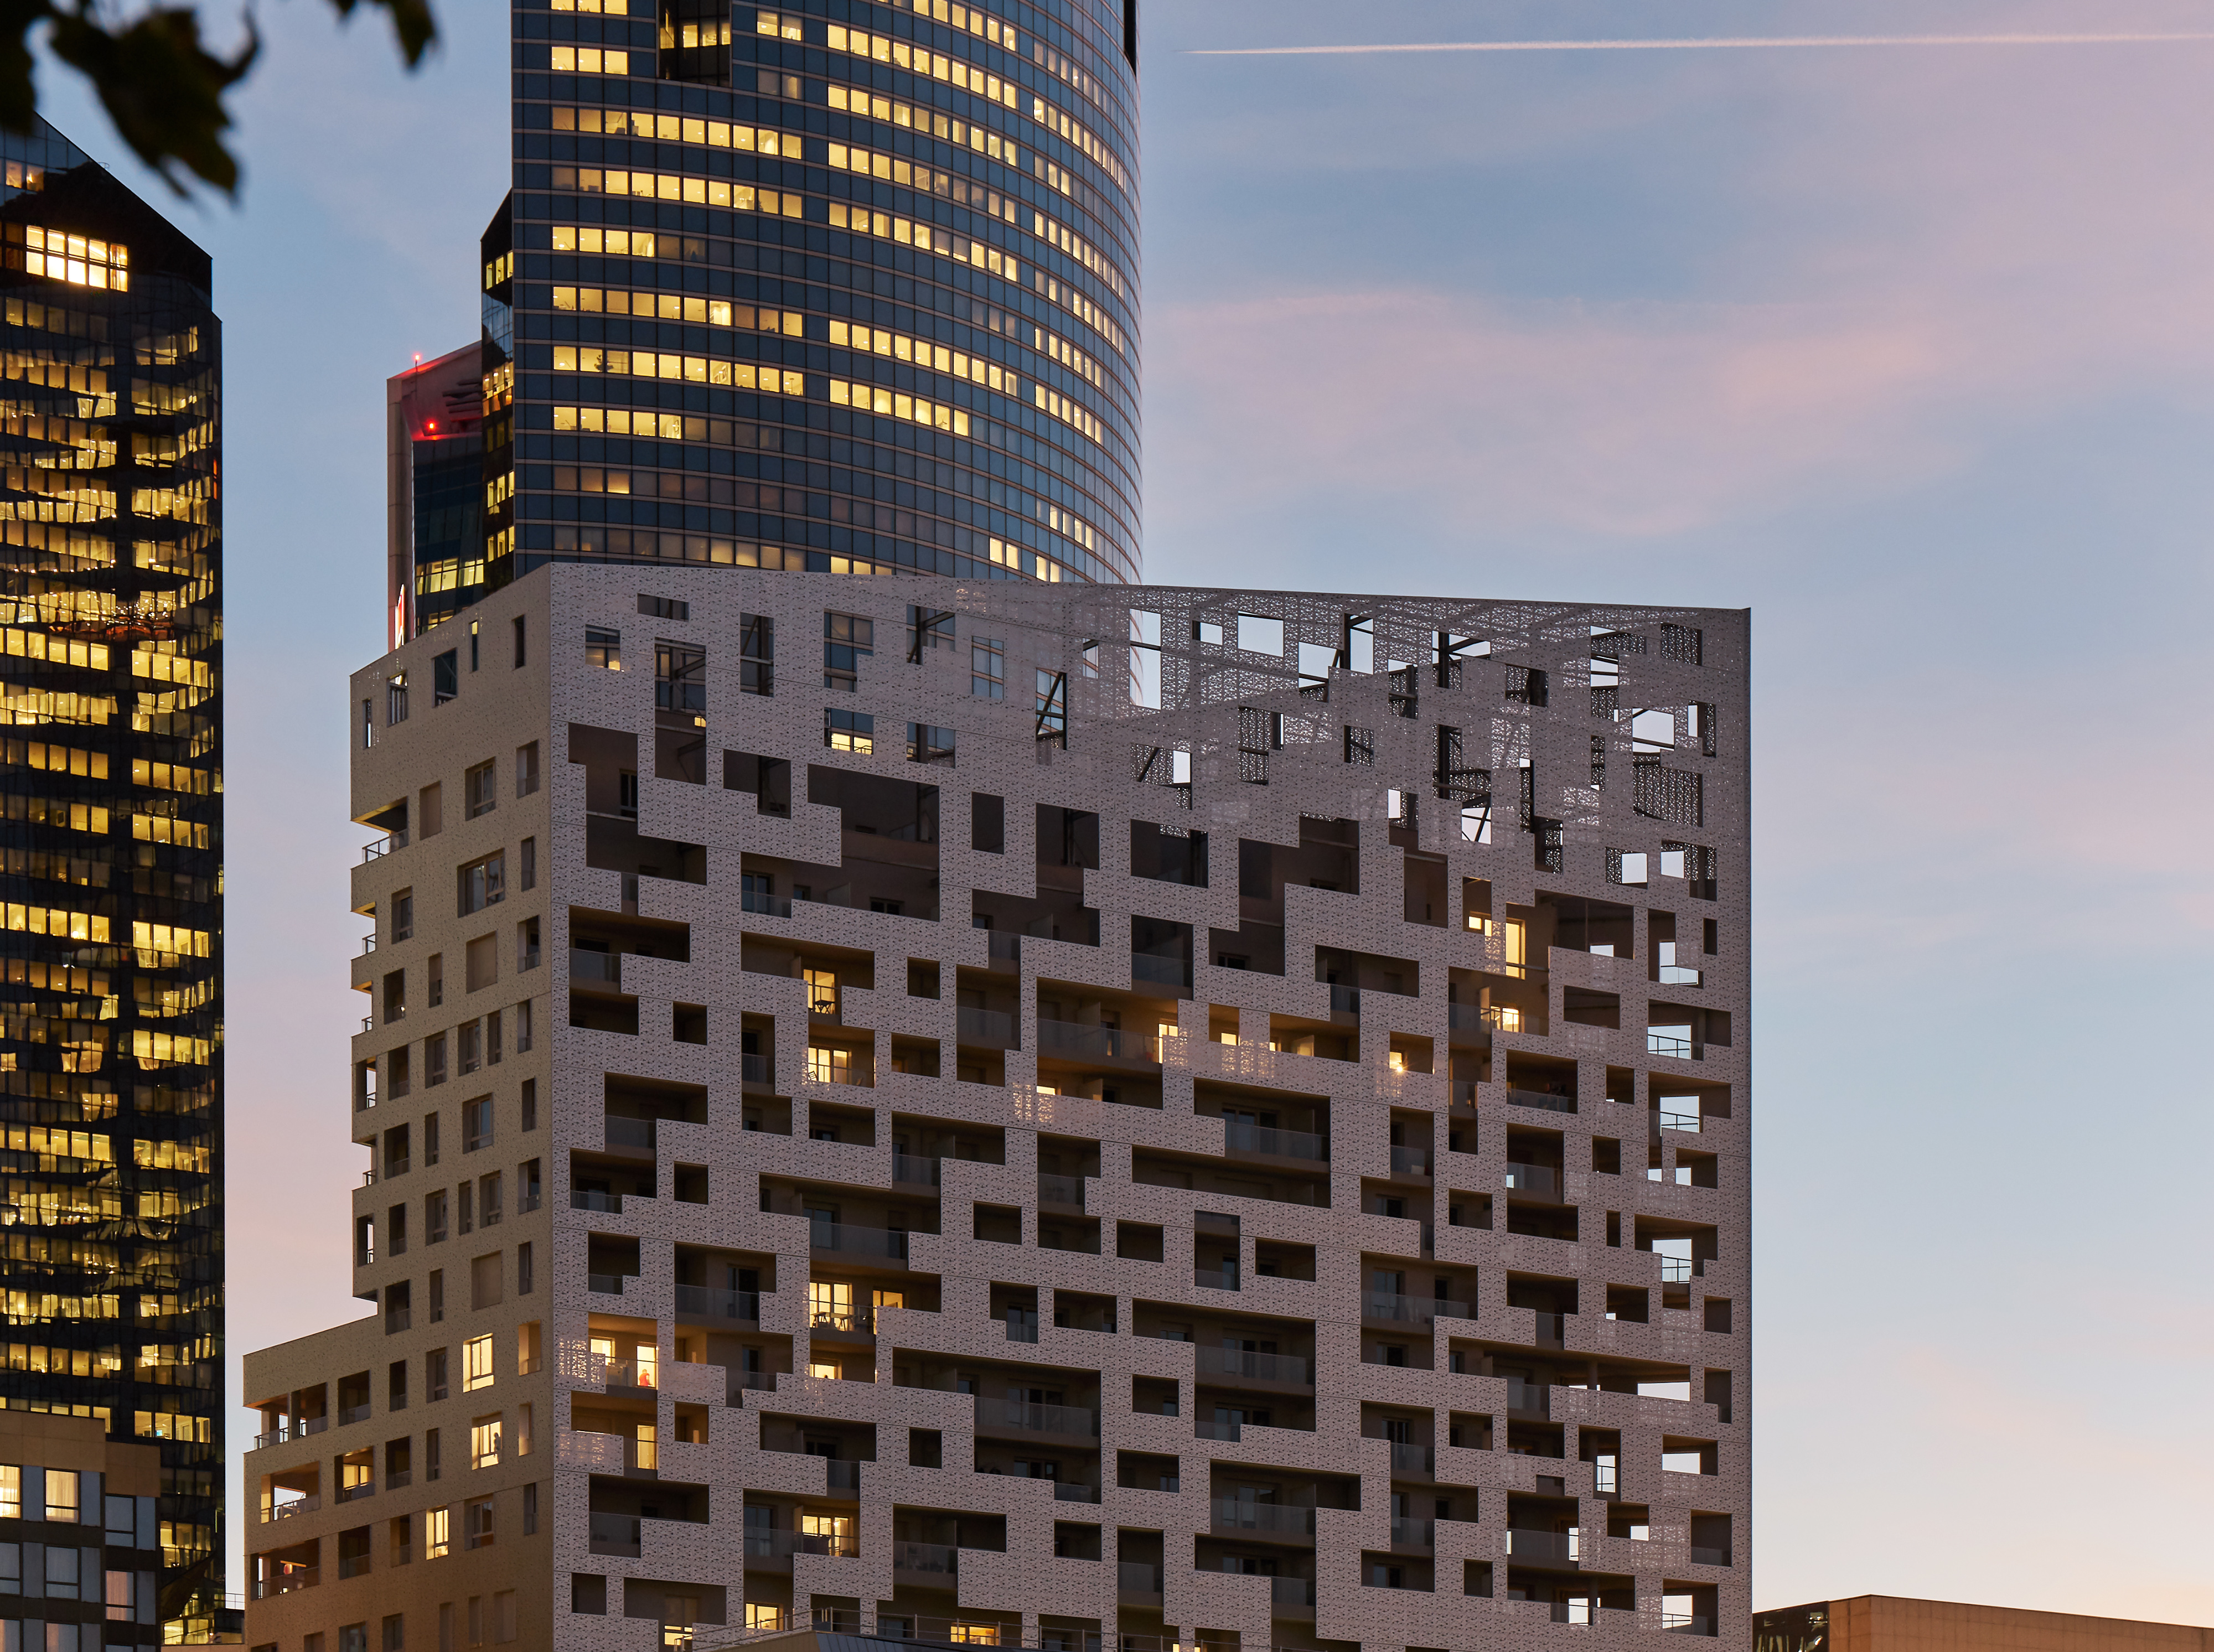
[[111, 918], [850, 285]]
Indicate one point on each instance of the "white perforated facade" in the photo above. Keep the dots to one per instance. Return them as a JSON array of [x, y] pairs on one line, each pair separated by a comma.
[[1053, 1114]]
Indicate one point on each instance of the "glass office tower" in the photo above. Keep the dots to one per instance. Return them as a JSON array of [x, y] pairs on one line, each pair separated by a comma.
[[111, 951], [846, 285]]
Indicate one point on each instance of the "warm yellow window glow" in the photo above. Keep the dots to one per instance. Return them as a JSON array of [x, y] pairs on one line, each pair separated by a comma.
[[873, 398], [821, 991], [694, 370], [476, 1363], [829, 1063], [886, 226], [827, 1369], [588, 61], [80, 260], [484, 1442], [939, 358], [437, 1534], [830, 1302], [584, 238], [646, 1448]]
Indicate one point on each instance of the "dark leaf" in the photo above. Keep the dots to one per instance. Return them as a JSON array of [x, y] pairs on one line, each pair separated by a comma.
[[18, 97], [411, 22], [162, 88]]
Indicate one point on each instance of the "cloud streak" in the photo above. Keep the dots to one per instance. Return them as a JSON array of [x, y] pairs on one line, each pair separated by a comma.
[[1723, 43]]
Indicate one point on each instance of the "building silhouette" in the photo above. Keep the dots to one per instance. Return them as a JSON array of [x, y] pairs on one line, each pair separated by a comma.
[[111, 539]]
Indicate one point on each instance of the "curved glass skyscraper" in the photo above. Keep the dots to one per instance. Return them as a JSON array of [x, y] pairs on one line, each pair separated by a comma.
[[845, 284]]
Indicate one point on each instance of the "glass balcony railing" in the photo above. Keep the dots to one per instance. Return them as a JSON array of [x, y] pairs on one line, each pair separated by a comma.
[[1259, 1367], [1040, 1419], [1282, 1144], [1237, 1514], [713, 1302], [1413, 1459], [1075, 1039], [614, 1533], [987, 1027], [601, 969], [913, 1171], [1560, 1547]]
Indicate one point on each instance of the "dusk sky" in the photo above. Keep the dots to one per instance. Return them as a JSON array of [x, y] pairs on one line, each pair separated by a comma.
[[1908, 349]]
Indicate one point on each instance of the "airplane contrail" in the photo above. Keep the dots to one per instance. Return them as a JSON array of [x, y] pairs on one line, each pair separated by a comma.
[[1724, 43]]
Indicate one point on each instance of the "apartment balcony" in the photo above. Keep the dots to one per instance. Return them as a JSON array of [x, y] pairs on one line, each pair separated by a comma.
[[1410, 1462], [1531, 1548], [1536, 1181], [1161, 970], [288, 1580], [1065, 1192], [631, 1134], [1292, 1594], [1528, 1398], [1137, 1584], [274, 1511], [1686, 1623], [1413, 1162], [591, 968], [1274, 1521], [1021, 1416], [887, 1245], [615, 1534], [910, 1171], [1390, 1307], [1541, 1100], [288, 1431], [1414, 1534], [713, 1302], [1237, 1365], [1074, 1041], [1261, 1141], [931, 1560], [992, 1029], [776, 1545]]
